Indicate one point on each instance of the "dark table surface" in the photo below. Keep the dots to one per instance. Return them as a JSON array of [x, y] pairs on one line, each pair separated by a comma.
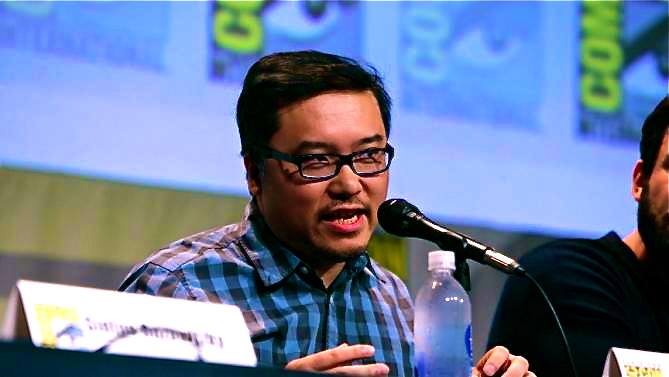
[[23, 359]]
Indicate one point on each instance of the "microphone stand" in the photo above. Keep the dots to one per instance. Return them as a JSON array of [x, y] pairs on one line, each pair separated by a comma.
[[461, 273]]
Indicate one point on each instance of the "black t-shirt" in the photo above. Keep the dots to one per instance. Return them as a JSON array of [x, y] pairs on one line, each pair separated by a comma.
[[603, 295]]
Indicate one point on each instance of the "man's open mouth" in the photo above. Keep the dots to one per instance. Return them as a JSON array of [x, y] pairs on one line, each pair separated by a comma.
[[344, 216]]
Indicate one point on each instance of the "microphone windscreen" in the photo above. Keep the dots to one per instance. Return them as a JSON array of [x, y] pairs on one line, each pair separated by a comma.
[[395, 216]]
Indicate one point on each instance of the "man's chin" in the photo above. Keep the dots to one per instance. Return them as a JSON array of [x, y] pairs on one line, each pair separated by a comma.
[[343, 250], [658, 250]]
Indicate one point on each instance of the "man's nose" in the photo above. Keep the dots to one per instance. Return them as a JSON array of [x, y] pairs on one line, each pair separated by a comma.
[[345, 184]]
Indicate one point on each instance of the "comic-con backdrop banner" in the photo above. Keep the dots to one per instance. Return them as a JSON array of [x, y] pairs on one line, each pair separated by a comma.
[[516, 115]]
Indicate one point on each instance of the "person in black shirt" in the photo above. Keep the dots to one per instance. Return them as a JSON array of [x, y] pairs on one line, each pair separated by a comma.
[[608, 292]]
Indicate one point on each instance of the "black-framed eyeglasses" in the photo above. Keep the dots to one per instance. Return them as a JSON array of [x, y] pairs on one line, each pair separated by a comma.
[[321, 166]]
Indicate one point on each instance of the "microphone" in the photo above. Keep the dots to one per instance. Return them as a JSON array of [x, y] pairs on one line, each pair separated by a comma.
[[401, 218]]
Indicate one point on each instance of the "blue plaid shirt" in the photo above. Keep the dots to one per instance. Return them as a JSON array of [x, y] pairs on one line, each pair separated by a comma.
[[289, 313]]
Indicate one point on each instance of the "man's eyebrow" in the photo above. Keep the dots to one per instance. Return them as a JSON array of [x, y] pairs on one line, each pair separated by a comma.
[[370, 139], [310, 145], [307, 145]]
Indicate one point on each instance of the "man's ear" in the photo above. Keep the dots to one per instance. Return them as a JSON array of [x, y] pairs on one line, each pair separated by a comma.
[[638, 180], [252, 175]]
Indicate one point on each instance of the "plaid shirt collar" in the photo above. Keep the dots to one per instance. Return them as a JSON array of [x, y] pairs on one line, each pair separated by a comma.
[[274, 262]]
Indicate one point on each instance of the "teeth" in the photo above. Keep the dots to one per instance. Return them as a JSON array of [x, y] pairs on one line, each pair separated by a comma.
[[347, 221]]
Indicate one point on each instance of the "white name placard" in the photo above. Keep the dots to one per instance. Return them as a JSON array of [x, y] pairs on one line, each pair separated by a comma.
[[621, 362], [87, 319]]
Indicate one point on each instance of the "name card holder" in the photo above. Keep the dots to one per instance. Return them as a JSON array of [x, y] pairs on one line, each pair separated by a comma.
[[622, 362], [95, 320]]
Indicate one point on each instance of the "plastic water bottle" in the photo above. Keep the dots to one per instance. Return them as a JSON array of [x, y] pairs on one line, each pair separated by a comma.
[[442, 327]]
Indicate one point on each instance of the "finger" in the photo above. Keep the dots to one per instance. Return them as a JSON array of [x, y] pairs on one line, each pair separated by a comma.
[[332, 358], [517, 368], [339, 346], [493, 360], [377, 369]]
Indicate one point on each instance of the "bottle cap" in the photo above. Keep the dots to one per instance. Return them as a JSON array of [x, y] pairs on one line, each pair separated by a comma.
[[440, 259]]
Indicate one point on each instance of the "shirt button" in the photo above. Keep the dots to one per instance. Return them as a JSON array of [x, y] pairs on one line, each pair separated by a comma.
[[304, 270]]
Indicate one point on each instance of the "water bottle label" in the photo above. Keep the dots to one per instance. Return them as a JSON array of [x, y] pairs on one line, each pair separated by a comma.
[[468, 343]]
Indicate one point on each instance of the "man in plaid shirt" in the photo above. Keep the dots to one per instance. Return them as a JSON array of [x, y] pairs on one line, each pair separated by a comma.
[[314, 133]]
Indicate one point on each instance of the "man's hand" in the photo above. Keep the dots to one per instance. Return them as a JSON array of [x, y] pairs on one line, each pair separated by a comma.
[[338, 360], [499, 362]]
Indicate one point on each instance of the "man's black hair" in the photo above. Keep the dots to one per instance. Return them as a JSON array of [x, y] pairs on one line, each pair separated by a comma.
[[282, 79], [652, 133]]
